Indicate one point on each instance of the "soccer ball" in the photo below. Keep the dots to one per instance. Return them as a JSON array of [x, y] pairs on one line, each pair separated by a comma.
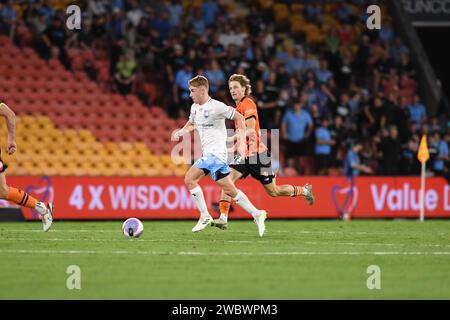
[[133, 228]]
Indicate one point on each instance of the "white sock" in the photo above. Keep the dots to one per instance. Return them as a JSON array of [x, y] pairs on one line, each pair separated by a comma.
[[199, 200], [224, 217], [41, 208], [242, 200]]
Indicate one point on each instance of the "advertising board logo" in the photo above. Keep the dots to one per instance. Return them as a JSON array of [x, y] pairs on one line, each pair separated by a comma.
[[345, 197], [43, 191]]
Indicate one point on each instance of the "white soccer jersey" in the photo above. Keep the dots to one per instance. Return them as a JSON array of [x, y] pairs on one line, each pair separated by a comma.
[[209, 120]]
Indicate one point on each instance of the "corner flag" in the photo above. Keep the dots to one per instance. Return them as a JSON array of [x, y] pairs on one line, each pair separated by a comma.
[[423, 155]]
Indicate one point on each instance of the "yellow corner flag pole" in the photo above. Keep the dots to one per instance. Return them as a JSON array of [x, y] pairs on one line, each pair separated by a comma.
[[423, 155]]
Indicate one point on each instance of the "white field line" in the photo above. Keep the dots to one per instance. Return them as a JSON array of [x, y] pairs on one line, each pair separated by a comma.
[[375, 244], [168, 230], [224, 241], [61, 231], [129, 239], [238, 231], [195, 253]]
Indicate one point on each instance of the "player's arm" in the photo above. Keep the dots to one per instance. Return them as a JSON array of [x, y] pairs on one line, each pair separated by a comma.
[[10, 117], [365, 168], [323, 141], [240, 131], [187, 128], [232, 138], [250, 123], [361, 167], [368, 114]]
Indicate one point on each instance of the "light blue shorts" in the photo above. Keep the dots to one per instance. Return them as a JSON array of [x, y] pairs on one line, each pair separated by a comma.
[[213, 166]]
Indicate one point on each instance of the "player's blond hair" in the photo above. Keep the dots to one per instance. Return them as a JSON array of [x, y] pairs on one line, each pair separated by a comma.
[[199, 81], [244, 81]]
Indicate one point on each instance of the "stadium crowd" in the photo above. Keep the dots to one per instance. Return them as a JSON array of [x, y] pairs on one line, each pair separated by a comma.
[[335, 89]]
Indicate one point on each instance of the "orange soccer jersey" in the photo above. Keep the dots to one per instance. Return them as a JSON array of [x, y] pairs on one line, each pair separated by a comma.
[[248, 109]]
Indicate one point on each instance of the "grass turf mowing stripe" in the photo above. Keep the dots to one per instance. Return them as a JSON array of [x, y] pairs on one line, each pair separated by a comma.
[[275, 253], [228, 241], [240, 231], [123, 240]]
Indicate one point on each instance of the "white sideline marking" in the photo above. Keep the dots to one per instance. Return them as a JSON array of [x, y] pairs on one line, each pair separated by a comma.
[[64, 231], [125, 239], [377, 244], [275, 253], [228, 241], [238, 231], [354, 243]]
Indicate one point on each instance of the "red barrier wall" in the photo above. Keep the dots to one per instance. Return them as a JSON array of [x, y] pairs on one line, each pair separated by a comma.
[[168, 198]]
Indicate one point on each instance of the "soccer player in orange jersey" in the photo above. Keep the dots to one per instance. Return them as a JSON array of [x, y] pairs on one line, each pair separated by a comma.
[[208, 118], [256, 161], [10, 193]]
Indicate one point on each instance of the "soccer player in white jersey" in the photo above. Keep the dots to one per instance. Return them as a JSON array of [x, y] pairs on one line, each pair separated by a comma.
[[208, 117]]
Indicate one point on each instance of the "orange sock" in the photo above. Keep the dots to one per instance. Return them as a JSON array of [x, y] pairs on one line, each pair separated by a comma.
[[224, 207], [21, 198]]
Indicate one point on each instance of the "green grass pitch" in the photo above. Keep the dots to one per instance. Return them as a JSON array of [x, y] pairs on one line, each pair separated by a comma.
[[296, 259]]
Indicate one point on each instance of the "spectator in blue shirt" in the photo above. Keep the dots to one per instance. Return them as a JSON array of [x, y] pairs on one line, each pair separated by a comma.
[[116, 24], [119, 4], [7, 18], [352, 162], [313, 13], [442, 153], [209, 9], [323, 74], [324, 97], [312, 93], [435, 125], [162, 24], [215, 76], [198, 23], [408, 162], [311, 62], [181, 89], [353, 103], [282, 53], [323, 147], [397, 49], [175, 12], [297, 64], [7, 11], [386, 33], [296, 128], [343, 13], [47, 11], [418, 113]]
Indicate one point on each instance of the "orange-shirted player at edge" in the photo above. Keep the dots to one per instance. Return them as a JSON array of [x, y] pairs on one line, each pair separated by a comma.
[[257, 160], [13, 194]]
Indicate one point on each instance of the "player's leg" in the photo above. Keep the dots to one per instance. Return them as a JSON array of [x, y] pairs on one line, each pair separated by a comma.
[[261, 170], [287, 190], [192, 177], [241, 199], [24, 199], [224, 203]]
